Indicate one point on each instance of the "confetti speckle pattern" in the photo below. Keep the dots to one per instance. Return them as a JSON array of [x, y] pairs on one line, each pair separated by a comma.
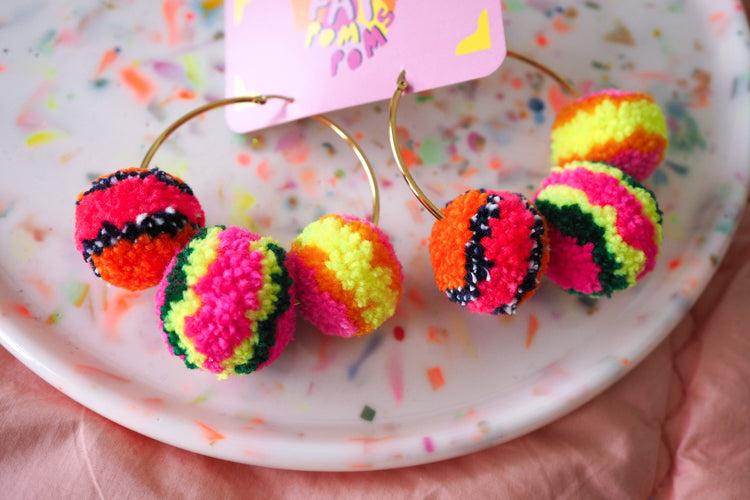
[[87, 86]]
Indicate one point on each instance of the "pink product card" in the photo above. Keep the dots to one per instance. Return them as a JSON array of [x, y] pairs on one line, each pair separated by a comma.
[[333, 54]]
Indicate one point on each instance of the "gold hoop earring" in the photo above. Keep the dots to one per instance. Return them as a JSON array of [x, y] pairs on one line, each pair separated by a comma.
[[226, 299], [489, 249]]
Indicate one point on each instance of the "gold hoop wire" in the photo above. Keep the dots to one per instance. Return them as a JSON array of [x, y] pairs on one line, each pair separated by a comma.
[[562, 82], [402, 85], [262, 99]]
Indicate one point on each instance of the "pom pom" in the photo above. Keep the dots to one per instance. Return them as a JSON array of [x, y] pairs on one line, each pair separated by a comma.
[[226, 302], [130, 224], [624, 129], [348, 278], [489, 251], [605, 228]]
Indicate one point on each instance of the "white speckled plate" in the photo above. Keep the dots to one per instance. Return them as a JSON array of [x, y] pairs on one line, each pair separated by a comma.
[[86, 88]]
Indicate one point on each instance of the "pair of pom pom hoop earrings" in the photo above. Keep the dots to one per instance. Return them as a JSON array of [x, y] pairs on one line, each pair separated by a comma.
[[226, 297]]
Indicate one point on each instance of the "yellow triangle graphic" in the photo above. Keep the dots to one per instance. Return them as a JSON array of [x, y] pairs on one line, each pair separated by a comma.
[[479, 40], [239, 10]]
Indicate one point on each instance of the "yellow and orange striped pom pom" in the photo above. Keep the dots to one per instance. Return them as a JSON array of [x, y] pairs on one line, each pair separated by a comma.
[[623, 129], [347, 276]]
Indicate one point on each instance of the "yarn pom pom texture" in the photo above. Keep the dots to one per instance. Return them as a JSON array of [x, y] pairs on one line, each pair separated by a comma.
[[130, 223], [81, 100]]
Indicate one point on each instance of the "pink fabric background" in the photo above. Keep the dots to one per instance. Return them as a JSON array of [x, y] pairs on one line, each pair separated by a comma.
[[677, 426]]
